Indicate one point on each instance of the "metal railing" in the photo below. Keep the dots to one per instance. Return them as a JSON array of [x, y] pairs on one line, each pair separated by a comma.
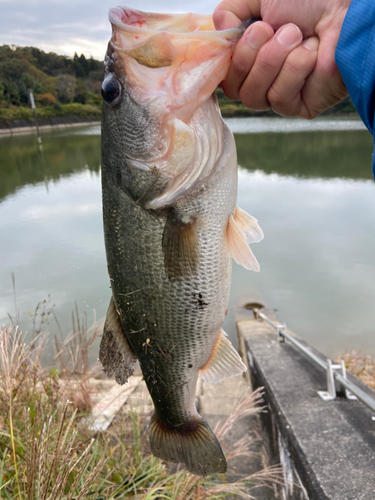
[[332, 371]]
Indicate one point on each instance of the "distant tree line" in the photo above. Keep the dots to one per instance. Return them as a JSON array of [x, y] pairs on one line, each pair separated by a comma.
[[53, 78], [59, 80]]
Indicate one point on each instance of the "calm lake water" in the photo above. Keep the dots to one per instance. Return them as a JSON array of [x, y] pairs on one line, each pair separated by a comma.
[[308, 183]]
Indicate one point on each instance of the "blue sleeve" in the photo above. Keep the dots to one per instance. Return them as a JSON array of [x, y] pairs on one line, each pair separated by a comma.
[[355, 57]]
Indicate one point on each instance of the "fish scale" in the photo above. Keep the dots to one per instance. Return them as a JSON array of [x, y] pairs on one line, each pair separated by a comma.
[[170, 233]]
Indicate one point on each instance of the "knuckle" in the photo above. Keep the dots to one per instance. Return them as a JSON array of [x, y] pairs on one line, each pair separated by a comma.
[[285, 112], [258, 104], [275, 98], [299, 62], [265, 63], [293, 65], [239, 65], [281, 105], [230, 90], [311, 114]]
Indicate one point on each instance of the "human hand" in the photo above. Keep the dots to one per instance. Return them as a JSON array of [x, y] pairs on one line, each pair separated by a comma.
[[272, 66]]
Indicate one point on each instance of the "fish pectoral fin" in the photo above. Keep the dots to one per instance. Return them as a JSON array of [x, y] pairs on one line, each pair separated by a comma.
[[223, 363], [180, 246], [243, 229], [157, 52], [249, 225], [193, 444], [115, 353]]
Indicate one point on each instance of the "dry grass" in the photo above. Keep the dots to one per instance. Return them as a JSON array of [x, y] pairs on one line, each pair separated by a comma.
[[48, 451], [360, 366]]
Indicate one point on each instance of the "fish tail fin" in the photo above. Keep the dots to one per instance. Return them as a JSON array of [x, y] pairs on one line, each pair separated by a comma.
[[193, 444]]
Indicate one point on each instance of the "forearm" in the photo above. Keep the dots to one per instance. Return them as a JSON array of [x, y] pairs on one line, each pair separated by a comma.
[[355, 57]]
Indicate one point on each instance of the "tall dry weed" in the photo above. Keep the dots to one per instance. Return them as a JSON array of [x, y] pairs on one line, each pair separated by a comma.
[[360, 366], [72, 353], [38, 445], [48, 452]]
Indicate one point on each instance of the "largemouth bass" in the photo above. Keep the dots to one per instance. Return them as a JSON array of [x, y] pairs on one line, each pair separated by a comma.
[[169, 175]]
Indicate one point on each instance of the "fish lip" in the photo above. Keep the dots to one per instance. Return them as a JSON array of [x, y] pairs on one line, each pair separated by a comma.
[[116, 16]]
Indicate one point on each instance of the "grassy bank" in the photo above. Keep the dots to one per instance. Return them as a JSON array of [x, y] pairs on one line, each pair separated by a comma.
[[18, 116], [48, 450]]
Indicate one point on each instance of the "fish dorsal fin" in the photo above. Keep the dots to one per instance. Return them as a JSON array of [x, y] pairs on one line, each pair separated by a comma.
[[157, 52], [243, 229], [223, 363], [115, 353]]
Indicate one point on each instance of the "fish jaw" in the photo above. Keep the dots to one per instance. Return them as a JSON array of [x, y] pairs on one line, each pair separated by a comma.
[[192, 58], [167, 67]]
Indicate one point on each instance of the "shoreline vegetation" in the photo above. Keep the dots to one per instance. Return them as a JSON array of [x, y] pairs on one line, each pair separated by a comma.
[[48, 449], [68, 90]]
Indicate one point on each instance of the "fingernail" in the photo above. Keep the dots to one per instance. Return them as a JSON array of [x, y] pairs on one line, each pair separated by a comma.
[[311, 43], [257, 36], [289, 35]]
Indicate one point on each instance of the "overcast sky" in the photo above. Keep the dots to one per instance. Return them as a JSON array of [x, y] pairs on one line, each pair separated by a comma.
[[68, 26]]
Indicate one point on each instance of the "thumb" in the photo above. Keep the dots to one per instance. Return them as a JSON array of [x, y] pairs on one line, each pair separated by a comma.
[[230, 13]]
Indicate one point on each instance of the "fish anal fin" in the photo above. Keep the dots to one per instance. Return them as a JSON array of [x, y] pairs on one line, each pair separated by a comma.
[[157, 52], [193, 444], [180, 245], [243, 229], [115, 353], [223, 363]]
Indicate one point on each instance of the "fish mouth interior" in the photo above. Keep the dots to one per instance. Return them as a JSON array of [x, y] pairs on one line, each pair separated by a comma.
[[135, 20]]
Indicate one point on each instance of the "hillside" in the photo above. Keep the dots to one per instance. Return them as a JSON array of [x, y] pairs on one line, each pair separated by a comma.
[[67, 89], [63, 87]]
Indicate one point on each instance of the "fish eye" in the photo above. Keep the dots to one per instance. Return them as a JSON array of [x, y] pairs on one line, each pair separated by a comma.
[[111, 90]]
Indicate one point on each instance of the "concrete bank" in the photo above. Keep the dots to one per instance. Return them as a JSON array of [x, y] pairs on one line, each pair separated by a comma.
[[6, 132], [327, 448]]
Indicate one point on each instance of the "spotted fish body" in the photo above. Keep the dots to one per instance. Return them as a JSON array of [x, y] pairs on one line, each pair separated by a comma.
[[169, 177]]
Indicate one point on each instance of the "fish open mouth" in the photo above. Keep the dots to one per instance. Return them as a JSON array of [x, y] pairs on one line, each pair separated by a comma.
[[187, 44], [178, 25], [134, 20], [170, 65]]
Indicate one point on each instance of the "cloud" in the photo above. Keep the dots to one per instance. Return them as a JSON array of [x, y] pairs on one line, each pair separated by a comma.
[[68, 26]]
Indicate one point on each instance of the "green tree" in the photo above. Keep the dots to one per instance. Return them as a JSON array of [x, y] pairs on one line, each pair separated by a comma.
[[84, 64], [2, 90], [11, 92], [80, 92], [66, 85]]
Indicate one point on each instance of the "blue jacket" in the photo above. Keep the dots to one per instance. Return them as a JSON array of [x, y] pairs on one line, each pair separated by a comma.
[[355, 57]]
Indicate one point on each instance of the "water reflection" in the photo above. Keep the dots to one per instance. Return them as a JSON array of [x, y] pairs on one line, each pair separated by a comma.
[[63, 154], [311, 191], [317, 259], [343, 154]]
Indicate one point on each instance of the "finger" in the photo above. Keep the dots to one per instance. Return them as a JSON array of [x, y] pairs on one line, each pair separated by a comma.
[[267, 66], [244, 57], [324, 86], [284, 95], [230, 13]]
